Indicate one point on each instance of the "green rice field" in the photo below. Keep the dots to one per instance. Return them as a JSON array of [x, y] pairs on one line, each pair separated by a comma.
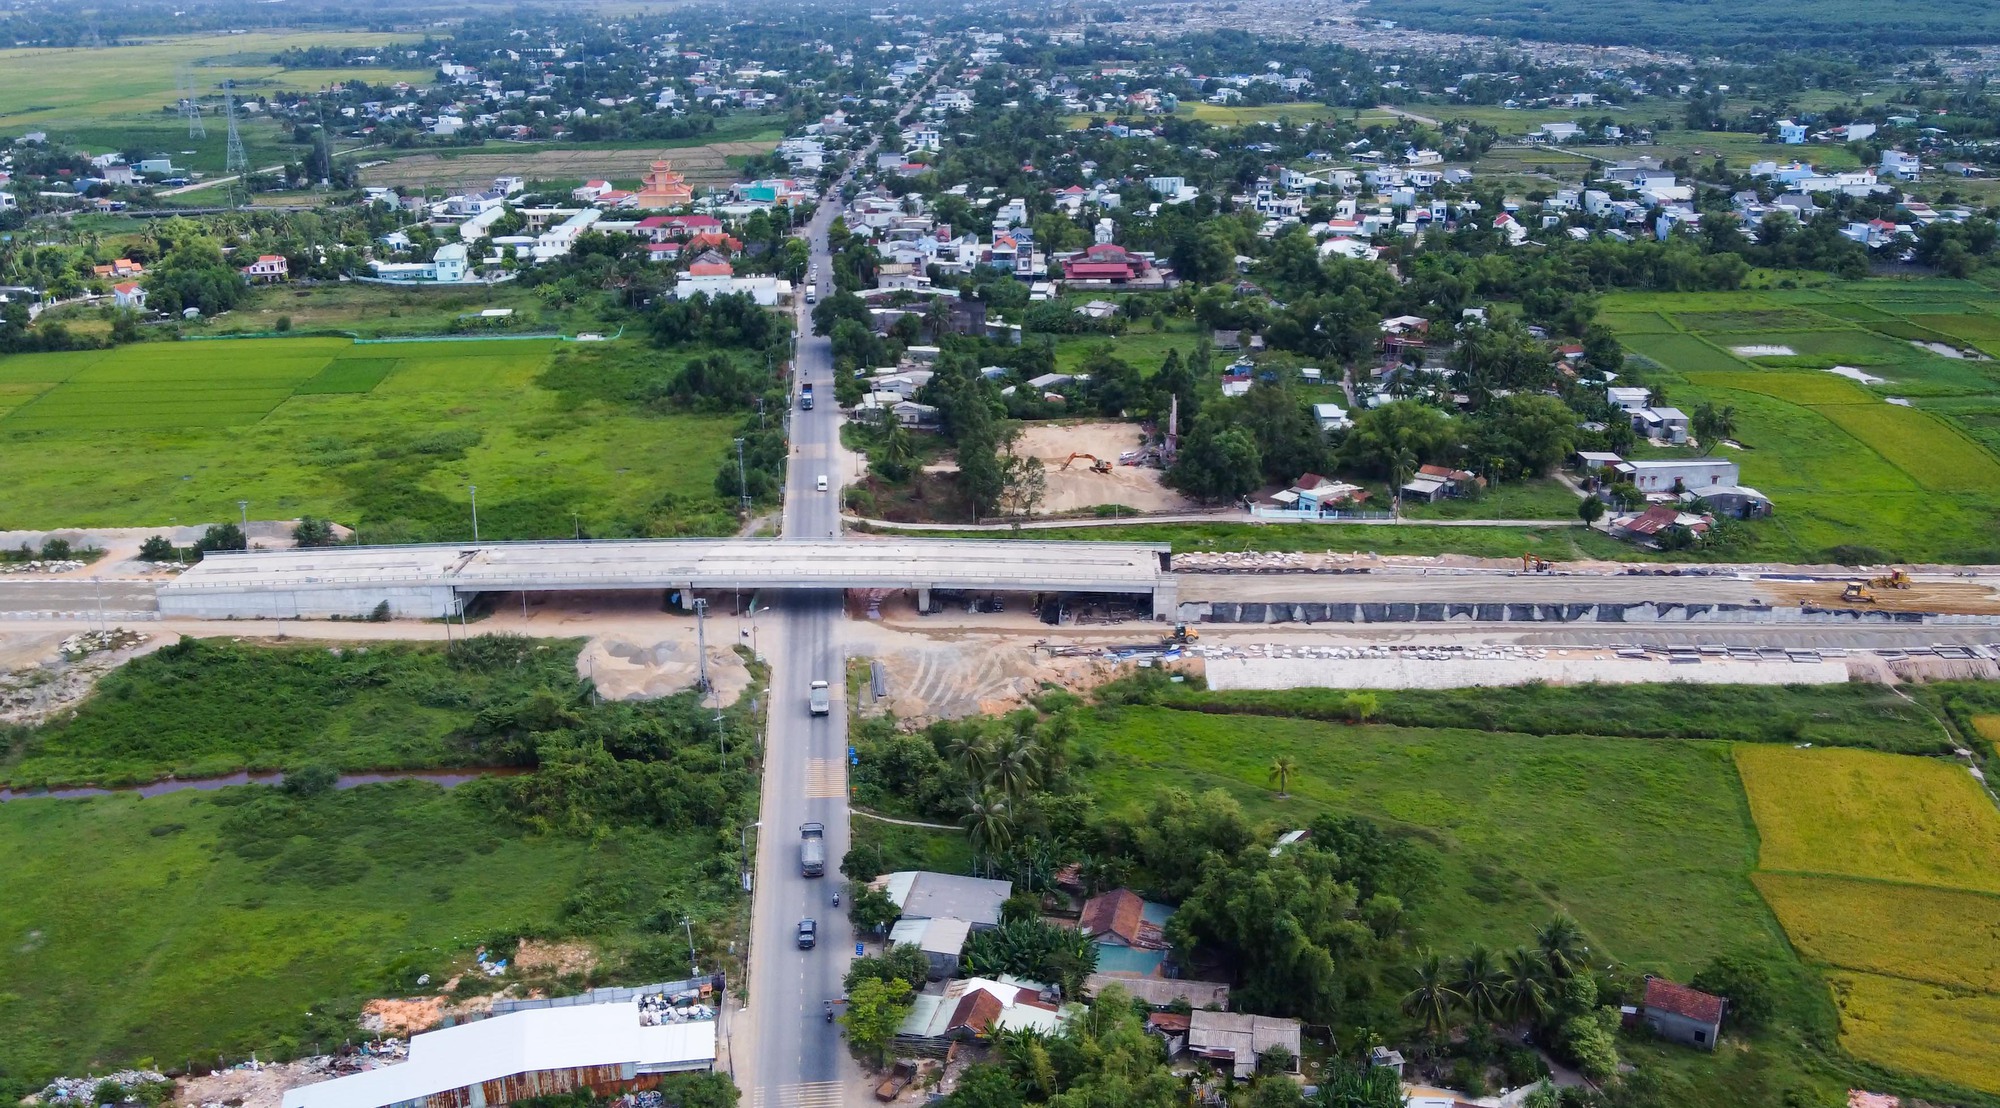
[[383, 436], [1916, 480]]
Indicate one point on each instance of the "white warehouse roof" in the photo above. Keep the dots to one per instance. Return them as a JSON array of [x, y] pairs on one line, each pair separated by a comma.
[[529, 1041]]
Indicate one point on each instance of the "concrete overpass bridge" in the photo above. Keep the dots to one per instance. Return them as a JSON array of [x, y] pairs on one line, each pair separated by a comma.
[[429, 581]]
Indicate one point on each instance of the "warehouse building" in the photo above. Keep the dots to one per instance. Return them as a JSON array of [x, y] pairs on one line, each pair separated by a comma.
[[609, 1048]]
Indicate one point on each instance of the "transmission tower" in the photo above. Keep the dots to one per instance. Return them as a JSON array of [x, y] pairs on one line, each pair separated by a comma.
[[235, 161], [191, 104]]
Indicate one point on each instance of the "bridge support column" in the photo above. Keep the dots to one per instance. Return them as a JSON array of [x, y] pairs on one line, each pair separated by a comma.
[[923, 598], [1166, 599]]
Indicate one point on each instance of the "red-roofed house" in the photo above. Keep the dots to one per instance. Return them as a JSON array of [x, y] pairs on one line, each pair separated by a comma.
[[1682, 1014], [128, 294], [1119, 917], [267, 269], [1107, 262]]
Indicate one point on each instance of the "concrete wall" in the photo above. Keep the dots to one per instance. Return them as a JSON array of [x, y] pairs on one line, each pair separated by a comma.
[[1680, 1029], [1422, 673], [415, 602], [1648, 613]]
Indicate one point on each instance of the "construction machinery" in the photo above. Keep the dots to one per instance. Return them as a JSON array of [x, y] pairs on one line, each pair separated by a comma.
[[1183, 634], [1097, 464], [1531, 563], [1858, 593], [1894, 579]]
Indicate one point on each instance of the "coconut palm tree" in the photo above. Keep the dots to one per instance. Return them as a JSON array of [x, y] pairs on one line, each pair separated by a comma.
[[1282, 768], [1527, 996], [971, 751], [989, 823], [1561, 943], [1431, 997], [1016, 765], [1400, 467], [1482, 984]]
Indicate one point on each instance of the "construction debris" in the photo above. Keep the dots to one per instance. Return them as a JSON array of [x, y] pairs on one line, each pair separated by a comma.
[[86, 643], [52, 565], [83, 1090]]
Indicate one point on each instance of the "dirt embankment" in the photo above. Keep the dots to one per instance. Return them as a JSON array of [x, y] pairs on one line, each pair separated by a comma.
[[703, 165]]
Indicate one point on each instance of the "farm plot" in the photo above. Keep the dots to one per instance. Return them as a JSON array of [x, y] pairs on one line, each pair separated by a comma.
[[1851, 311], [382, 436], [1920, 1027], [1849, 345], [1798, 388], [1685, 353], [1890, 881], [1636, 323], [1770, 319], [1857, 813], [1941, 936], [1918, 443]]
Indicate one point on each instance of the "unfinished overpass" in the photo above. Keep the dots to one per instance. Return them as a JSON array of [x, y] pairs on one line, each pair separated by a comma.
[[430, 581]]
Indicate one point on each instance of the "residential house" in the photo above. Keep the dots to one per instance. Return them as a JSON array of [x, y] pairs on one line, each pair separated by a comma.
[[1682, 1014], [1560, 132], [1647, 526], [1895, 163], [1107, 263], [1433, 483], [711, 275], [1331, 417], [980, 1006], [1128, 932], [921, 894], [941, 940], [1734, 501], [268, 269], [1790, 132], [1313, 493], [1238, 1040], [123, 267], [1662, 476], [128, 294], [1661, 424], [1163, 992]]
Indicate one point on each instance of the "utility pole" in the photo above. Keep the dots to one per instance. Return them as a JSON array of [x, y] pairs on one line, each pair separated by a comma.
[[234, 160], [243, 506], [694, 967], [701, 644], [742, 482], [474, 489]]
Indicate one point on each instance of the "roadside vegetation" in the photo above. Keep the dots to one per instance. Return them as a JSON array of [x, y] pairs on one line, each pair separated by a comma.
[[261, 918]]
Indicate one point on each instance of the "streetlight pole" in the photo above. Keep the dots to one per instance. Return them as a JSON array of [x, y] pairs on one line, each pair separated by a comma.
[[742, 482], [693, 965], [243, 506], [474, 489]]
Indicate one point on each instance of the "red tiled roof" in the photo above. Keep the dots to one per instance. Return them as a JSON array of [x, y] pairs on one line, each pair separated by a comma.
[[1094, 271], [977, 1011], [125, 286], [712, 269], [1115, 914], [1168, 1021], [1652, 521], [1682, 1001]]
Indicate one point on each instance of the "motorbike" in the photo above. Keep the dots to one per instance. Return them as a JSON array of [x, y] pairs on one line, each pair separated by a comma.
[[836, 900], [829, 1011]]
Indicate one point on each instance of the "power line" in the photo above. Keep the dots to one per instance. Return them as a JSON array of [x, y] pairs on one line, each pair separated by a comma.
[[234, 160]]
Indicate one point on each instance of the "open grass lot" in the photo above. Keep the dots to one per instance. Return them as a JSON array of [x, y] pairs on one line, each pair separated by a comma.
[[1863, 814], [1844, 466], [385, 436], [374, 311], [172, 927], [212, 707], [1143, 347], [1646, 842], [1554, 543], [1527, 499], [1298, 111], [1880, 867]]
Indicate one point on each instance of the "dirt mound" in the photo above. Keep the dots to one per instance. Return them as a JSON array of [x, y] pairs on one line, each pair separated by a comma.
[[662, 664], [1079, 487], [402, 1017], [558, 959]]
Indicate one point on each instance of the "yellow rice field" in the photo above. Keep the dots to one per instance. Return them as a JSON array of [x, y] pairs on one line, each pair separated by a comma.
[[1922, 1028], [1857, 813], [1941, 936]]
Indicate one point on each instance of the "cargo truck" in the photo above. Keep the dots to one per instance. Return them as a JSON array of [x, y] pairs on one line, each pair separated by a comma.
[[806, 397], [812, 850]]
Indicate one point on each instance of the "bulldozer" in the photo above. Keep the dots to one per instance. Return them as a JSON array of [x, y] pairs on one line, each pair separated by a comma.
[[1894, 579], [1183, 634], [1857, 593], [1097, 464]]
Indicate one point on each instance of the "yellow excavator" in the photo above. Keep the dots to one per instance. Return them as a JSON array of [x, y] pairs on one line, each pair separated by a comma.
[[1097, 464], [1531, 563]]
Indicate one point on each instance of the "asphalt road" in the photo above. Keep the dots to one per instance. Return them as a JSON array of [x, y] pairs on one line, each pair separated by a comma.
[[79, 597], [1472, 588], [791, 1057]]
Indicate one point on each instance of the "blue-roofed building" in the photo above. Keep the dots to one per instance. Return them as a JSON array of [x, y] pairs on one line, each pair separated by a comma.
[[1129, 932]]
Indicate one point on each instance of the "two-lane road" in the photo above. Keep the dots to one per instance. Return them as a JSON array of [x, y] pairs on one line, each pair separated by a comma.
[[792, 1057]]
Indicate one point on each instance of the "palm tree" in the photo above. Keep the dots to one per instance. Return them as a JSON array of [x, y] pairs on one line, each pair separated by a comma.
[[1016, 764], [1431, 997], [1725, 422], [1400, 467], [1482, 984], [1561, 943], [989, 823], [970, 750], [1282, 768], [1527, 997]]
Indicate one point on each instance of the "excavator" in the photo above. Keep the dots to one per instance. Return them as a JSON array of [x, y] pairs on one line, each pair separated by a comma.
[[1097, 464], [1531, 563]]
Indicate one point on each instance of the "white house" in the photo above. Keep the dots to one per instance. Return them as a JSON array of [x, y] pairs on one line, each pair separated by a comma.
[[1895, 163], [129, 294], [1791, 133]]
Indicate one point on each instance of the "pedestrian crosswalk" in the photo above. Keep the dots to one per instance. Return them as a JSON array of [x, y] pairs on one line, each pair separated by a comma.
[[809, 1094], [826, 778]]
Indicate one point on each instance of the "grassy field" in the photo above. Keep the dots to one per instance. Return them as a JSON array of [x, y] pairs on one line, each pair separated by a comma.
[[1844, 466], [208, 708], [1555, 543], [383, 436], [173, 927], [1645, 842], [376, 311], [1879, 866], [81, 87], [1145, 349], [197, 924]]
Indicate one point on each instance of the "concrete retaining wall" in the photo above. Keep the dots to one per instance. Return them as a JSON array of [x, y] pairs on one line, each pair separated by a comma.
[[1647, 613], [1421, 673], [416, 602]]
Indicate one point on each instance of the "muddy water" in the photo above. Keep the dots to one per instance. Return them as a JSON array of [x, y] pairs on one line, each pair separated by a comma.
[[444, 777]]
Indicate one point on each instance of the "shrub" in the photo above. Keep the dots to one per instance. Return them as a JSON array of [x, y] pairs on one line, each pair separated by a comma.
[[159, 548], [56, 550]]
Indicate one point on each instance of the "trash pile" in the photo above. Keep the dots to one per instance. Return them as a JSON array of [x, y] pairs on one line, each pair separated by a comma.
[[83, 1090], [86, 643], [488, 966], [685, 1006], [43, 565]]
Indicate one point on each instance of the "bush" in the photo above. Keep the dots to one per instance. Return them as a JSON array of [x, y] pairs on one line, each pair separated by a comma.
[[1745, 983], [284, 323], [223, 536], [313, 531], [159, 548], [310, 780], [56, 550]]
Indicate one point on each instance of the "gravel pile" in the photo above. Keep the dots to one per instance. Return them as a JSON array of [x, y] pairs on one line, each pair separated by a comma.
[[83, 1090], [86, 643], [56, 565]]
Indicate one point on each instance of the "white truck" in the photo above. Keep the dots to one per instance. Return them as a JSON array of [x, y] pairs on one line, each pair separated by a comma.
[[812, 849], [820, 699]]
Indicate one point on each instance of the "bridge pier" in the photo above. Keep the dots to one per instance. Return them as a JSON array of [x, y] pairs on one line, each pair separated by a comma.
[[1166, 599], [923, 598]]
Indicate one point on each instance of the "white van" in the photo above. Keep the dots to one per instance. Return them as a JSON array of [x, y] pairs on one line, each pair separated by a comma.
[[822, 482]]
